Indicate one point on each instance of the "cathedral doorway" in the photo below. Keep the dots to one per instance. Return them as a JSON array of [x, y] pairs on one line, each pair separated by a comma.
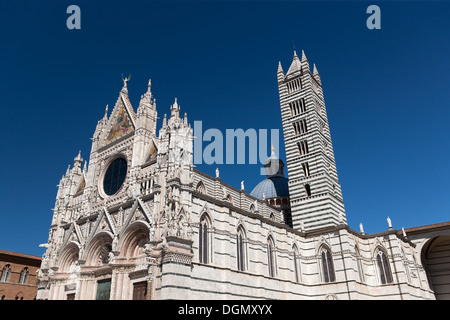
[[436, 261], [103, 289], [140, 291]]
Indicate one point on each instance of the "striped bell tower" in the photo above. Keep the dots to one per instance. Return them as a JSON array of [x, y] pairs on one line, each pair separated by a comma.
[[314, 189]]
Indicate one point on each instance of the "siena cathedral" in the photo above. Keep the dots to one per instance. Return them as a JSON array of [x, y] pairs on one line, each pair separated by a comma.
[[139, 222]]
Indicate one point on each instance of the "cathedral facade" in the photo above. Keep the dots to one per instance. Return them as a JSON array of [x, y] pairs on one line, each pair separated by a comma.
[[140, 222]]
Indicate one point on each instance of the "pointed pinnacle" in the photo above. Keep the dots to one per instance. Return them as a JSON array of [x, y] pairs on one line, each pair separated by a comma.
[[280, 68], [315, 69], [304, 56]]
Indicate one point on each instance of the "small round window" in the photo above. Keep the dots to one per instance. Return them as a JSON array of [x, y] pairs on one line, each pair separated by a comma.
[[115, 176]]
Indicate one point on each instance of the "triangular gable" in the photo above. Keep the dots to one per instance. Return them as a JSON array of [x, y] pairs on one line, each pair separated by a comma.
[[121, 121], [152, 153], [71, 234], [103, 223], [139, 211]]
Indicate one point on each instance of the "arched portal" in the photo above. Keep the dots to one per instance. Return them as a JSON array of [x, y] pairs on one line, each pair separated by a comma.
[[436, 261]]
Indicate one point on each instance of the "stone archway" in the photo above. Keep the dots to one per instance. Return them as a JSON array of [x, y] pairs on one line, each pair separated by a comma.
[[436, 261]]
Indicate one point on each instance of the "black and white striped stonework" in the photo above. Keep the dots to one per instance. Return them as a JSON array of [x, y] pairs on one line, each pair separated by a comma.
[[314, 189]]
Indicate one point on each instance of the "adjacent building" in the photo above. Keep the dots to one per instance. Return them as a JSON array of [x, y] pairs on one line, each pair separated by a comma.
[[18, 275]]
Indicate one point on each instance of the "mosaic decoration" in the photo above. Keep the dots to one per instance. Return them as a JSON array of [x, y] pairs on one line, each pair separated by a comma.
[[152, 153], [81, 186], [121, 126]]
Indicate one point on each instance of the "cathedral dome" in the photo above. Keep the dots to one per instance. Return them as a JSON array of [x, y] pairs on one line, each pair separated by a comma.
[[273, 187], [276, 184]]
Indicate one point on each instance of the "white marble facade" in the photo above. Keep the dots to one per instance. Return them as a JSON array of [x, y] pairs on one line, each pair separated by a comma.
[[169, 231]]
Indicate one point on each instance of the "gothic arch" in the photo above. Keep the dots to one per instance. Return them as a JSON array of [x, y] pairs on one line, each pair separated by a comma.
[[435, 257], [241, 247], [207, 211], [326, 263], [134, 238], [96, 248], [271, 256], [68, 257], [297, 263], [321, 244], [205, 243], [382, 265], [377, 245], [201, 188]]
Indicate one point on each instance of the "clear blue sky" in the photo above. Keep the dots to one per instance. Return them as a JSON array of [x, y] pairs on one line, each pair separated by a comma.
[[386, 92]]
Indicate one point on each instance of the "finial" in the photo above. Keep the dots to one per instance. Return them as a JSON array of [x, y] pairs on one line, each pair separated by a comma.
[[175, 105], [78, 158], [217, 172], [149, 88], [106, 111], [125, 83], [361, 229], [273, 149], [389, 223], [242, 185], [125, 80]]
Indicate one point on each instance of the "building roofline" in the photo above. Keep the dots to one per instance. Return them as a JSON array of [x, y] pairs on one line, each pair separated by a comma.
[[428, 228], [20, 255]]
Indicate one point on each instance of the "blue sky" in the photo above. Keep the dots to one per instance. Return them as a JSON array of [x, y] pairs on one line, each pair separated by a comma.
[[386, 93]]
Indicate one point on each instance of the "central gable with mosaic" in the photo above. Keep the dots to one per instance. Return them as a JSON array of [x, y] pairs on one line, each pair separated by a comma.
[[120, 126]]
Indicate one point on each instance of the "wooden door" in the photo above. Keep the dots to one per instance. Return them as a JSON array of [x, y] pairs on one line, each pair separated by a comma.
[[140, 290]]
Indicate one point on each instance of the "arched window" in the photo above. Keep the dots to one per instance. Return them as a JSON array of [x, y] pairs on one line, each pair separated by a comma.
[[327, 265], [252, 208], [240, 248], [6, 272], [24, 276], [297, 269], [383, 267], [201, 188], [203, 240], [271, 257]]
